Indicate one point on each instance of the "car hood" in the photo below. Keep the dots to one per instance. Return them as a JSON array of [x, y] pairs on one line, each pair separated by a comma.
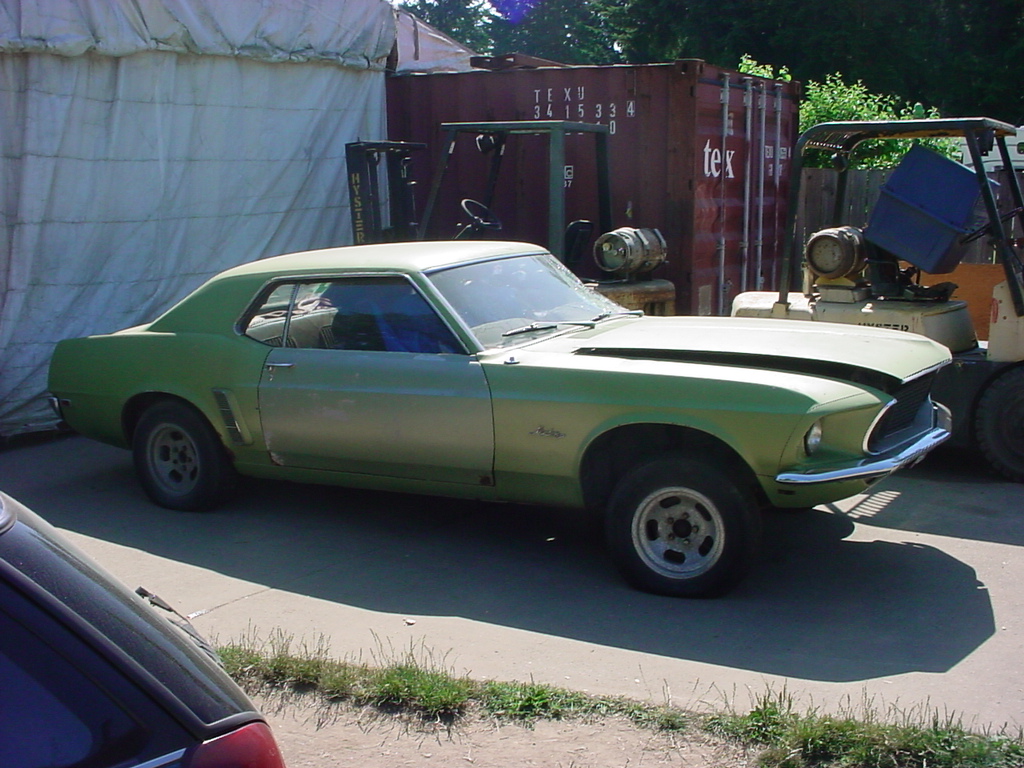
[[878, 357]]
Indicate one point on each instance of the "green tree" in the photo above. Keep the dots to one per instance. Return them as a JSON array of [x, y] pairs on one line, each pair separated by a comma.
[[833, 99], [567, 31], [977, 59], [718, 31], [963, 56]]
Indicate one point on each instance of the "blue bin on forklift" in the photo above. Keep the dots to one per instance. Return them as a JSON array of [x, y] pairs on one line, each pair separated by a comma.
[[925, 207]]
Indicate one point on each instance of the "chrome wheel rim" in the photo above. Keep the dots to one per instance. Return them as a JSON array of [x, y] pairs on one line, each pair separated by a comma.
[[678, 533], [173, 459]]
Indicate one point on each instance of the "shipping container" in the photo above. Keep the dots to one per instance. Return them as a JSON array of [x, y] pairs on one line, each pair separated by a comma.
[[698, 152]]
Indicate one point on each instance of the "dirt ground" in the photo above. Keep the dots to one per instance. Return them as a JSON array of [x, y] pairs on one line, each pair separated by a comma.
[[314, 735]]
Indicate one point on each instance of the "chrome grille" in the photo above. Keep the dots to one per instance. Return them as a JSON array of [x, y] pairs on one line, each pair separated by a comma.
[[901, 414]]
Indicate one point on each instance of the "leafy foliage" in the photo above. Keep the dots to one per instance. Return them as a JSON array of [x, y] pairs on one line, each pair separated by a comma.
[[833, 99], [750, 67], [566, 31]]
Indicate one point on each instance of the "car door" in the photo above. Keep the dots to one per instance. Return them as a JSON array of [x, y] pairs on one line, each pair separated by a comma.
[[368, 379]]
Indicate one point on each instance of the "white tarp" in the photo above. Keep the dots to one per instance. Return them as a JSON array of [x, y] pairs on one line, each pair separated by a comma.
[[356, 33], [422, 48], [146, 145]]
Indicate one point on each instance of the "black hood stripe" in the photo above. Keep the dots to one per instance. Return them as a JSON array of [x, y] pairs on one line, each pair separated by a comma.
[[825, 368]]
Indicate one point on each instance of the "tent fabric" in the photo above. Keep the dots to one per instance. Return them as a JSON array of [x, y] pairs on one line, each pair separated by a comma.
[[357, 33], [422, 49], [126, 181]]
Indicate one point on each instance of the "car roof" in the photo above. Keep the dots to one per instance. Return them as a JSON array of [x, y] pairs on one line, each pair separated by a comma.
[[218, 302], [419, 256]]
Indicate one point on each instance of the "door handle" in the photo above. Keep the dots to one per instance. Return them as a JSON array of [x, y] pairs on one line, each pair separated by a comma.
[[279, 365]]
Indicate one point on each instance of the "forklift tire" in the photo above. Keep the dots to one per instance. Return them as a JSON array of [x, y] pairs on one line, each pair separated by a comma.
[[999, 424]]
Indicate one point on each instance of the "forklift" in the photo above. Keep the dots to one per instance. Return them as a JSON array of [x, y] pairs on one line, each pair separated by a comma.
[[625, 256], [928, 211]]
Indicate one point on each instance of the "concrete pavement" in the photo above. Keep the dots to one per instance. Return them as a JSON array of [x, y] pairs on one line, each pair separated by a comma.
[[910, 596]]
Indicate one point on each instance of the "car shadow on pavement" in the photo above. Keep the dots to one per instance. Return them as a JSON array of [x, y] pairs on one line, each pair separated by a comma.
[[951, 493], [819, 605]]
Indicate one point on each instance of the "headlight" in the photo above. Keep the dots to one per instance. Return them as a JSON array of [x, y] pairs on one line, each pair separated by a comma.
[[813, 438]]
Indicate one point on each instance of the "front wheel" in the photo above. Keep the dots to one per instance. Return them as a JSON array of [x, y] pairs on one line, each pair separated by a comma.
[[999, 424], [179, 458], [677, 526]]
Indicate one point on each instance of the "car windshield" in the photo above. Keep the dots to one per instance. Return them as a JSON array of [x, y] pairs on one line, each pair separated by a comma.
[[506, 301]]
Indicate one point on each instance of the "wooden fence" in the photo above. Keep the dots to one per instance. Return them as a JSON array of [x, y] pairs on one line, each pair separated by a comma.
[[818, 189]]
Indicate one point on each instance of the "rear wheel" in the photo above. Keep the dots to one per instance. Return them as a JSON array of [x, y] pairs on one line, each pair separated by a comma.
[[999, 424], [179, 458], [677, 526]]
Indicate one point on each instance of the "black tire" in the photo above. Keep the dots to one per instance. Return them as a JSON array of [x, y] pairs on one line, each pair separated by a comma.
[[179, 458], [676, 526], [999, 424]]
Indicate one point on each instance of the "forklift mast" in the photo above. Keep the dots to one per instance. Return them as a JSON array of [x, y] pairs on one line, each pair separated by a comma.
[[492, 137], [379, 218]]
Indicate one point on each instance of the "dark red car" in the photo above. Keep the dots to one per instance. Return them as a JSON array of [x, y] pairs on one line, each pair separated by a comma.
[[92, 676]]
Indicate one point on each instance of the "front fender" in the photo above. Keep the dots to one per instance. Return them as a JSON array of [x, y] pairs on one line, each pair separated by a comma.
[[546, 417]]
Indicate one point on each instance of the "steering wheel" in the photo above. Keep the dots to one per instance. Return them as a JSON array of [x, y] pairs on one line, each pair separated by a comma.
[[480, 215], [977, 232]]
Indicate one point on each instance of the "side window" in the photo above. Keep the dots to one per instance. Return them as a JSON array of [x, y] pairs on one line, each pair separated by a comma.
[[384, 314], [375, 314]]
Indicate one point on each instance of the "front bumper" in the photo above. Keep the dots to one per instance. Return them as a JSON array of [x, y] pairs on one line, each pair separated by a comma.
[[874, 468]]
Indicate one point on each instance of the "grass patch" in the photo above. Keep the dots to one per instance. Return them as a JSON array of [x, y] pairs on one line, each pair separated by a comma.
[[414, 681], [410, 680], [863, 738], [532, 701], [408, 686]]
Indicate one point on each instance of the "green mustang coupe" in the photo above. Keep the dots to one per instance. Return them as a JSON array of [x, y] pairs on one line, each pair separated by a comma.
[[487, 370]]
